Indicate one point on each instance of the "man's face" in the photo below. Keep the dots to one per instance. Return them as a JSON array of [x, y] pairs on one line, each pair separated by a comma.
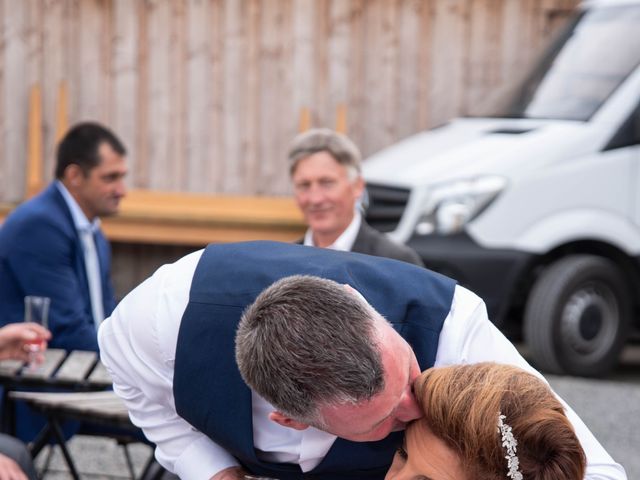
[[391, 409], [100, 191], [325, 195]]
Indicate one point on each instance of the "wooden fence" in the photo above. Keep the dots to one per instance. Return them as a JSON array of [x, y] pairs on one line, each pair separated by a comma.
[[206, 94]]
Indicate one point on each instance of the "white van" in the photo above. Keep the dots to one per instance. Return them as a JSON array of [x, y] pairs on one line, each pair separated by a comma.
[[537, 208]]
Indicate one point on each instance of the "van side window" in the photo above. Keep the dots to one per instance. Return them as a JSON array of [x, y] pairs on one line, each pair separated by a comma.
[[629, 132]]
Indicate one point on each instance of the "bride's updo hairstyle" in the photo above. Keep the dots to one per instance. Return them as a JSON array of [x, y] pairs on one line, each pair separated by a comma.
[[479, 409]]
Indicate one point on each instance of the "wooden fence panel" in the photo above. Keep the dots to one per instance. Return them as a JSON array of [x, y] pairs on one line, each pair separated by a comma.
[[207, 94]]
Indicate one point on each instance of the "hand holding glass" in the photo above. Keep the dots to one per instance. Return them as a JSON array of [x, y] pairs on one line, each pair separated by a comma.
[[36, 310]]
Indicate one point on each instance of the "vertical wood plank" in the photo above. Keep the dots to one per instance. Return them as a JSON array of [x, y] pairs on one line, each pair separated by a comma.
[[233, 98], [179, 161], [199, 96], [272, 171], [409, 78], [71, 57], [53, 73], [322, 116], [124, 79], [425, 60], [357, 120], [484, 54], [371, 82], [92, 75], [252, 155], [34, 180], [302, 63], [448, 59], [338, 60], [107, 86], [381, 74], [4, 167], [160, 95], [141, 176], [13, 144], [217, 172]]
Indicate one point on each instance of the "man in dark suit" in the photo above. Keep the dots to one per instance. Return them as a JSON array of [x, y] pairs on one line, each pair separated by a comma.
[[52, 245], [327, 182]]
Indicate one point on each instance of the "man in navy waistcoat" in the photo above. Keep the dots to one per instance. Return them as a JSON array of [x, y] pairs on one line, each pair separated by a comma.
[[330, 343]]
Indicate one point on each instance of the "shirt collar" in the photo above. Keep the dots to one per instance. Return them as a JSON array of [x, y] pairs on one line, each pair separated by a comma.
[[346, 239], [80, 220]]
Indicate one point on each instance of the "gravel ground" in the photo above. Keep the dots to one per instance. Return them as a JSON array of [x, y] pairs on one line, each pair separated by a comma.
[[95, 458], [611, 410]]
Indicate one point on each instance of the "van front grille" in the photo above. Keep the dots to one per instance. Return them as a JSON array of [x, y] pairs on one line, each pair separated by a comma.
[[386, 206]]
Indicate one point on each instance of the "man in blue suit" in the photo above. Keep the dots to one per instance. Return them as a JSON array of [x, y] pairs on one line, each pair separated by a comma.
[[52, 245], [328, 374]]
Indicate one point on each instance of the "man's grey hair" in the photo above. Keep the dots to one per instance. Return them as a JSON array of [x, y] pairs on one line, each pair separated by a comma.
[[306, 343], [339, 146]]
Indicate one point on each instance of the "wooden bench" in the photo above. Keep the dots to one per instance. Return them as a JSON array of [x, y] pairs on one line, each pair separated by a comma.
[[61, 371], [85, 379], [166, 218]]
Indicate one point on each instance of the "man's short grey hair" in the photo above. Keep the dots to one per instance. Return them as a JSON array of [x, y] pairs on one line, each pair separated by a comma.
[[339, 146], [306, 343]]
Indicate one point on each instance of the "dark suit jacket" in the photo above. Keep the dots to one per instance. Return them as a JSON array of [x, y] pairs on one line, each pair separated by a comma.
[[41, 254], [371, 242]]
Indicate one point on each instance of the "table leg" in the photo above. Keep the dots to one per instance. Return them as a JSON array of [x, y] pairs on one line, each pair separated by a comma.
[[38, 443], [59, 436], [7, 420]]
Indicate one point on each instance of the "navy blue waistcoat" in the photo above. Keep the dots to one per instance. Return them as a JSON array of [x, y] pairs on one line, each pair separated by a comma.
[[208, 389]]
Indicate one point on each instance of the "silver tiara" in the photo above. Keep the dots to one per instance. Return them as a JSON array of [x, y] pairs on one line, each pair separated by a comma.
[[509, 443]]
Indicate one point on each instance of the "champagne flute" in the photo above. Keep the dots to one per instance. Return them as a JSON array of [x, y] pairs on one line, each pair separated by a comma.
[[36, 310]]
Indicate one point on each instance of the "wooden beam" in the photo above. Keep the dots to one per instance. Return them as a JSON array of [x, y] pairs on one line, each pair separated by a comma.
[[62, 116], [164, 218], [305, 120], [34, 174], [341, 118], [186, 219]]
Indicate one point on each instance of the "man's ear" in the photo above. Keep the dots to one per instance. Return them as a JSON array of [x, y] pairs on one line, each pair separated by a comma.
[[355, 293], [281, 419], [73, 175]]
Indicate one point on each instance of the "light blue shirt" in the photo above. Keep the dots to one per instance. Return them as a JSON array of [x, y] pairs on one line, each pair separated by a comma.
[[86, 230]]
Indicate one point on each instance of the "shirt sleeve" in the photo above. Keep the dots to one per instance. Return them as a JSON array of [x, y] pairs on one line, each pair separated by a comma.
[[137, 345], [468, 336]]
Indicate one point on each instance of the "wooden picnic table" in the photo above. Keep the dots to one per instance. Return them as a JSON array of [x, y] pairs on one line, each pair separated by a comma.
[[61, 371], [81, 391], [77, 370]]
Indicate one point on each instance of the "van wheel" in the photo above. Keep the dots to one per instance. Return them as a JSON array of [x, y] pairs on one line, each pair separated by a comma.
[[577, 317]]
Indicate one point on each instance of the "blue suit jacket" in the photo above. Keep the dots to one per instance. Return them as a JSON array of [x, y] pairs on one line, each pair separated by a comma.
[[41, 254], [208, 390]]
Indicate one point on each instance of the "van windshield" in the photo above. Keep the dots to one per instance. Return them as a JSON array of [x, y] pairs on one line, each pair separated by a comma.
[[599, 49]]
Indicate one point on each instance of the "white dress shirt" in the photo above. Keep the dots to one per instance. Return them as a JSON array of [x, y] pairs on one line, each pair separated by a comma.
[[346, 239], [138, 346]]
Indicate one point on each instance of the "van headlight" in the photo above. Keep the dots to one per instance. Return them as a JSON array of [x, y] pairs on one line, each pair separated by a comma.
[[451, 206]]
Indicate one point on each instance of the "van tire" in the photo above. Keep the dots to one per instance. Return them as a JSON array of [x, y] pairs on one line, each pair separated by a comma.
[[577, 316]]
